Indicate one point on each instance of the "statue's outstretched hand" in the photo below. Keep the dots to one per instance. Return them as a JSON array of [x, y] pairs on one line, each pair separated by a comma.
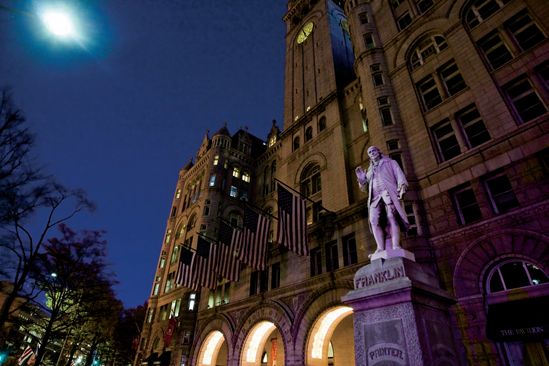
[[361, 175]]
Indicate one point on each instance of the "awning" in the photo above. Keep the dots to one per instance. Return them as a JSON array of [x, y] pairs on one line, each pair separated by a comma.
[[165, 358], [151, 359], [524, 320]]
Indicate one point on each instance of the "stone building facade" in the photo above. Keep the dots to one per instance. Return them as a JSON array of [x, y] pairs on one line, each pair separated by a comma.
[[457, 92]]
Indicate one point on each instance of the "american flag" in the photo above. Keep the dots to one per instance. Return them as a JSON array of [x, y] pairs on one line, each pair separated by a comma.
[[25, 355], [203, 264], [292, 222], [184, 272], [227, 263], [255, 239]]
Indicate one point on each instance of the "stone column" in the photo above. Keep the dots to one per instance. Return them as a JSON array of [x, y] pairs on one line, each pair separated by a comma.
[[401, 315]]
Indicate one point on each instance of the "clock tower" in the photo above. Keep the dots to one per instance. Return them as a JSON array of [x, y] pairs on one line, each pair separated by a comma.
[[319, 56]]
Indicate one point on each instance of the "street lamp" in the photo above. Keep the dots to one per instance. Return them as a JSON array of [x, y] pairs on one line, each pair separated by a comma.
[[57, 22]]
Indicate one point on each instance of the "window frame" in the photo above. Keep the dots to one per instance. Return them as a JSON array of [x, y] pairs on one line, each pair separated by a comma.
[[522, 96], [459, 209], [493, 197]]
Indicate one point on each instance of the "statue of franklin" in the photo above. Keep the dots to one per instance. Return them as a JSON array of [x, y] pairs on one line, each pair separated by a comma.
[[385, 184]]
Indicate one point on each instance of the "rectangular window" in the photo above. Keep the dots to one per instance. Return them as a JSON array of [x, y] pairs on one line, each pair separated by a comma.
[[254, 281], [177, 307], [264, 281], [378, 79], [525, 31], [178, 194], [162, 262], [316, 262], [275, 275], [236, 172], [423, 5], [453, 79], [404, 20], [363, 18], [212, 180], [227, 293], [174, 211], [332, 257], [150, 315], [474, 127], [429, 92], [206, 210], [501, 193], [163, 312], [216, 160], [369, 40], [175, 254], [143, 343], [243, 194], [393, 145], [186, 336], [169, 282], [398, 158], [375, 67], [218, 293], [525, 100], [446, 140], [409, 208], [349, 250], [466, 205], [234, 191], [246, 177], [156, 289], [386, 116], [495, 50], [396, 3], [192, 299], [168, 235]]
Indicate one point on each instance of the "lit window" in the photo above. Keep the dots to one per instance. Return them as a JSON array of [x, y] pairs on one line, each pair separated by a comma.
[[216, 160], [156, 289], [212, 180], [178, 194], [246, 177], [234, 191], [236, 172], [466, 205], [495, 50], [243, 195], [501, 193], [192, 298], [525, 100], [428, 47], [515, 274], [150, 315], [175, 254], [446, 140], [404, 20], [168, 236], [525, 31], [169, 282], [369, 40], [180, 231], [162, 262]]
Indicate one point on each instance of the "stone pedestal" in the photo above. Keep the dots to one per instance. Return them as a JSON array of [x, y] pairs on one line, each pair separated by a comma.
[[400, 315]]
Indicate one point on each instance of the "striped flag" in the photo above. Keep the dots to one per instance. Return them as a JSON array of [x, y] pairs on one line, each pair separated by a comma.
[[184, 272], [255, 239], [27, 353], [227, 263], [203, 264], [292, 222]]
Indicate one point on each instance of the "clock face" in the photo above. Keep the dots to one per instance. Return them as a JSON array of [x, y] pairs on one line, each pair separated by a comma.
[[304, 33]]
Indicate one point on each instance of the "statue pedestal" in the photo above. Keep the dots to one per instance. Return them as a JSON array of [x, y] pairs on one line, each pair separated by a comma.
[[400, 315]]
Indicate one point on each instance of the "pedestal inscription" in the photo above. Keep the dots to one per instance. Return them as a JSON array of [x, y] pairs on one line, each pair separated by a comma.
[[385, 343]]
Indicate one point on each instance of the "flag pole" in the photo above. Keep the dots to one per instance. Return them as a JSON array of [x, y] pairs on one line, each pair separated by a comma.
[[260, 210], [207, 237], [302, 196]]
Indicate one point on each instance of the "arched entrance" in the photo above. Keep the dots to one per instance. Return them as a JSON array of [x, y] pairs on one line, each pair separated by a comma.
[[213, 351], [331, 341], [263, 346]]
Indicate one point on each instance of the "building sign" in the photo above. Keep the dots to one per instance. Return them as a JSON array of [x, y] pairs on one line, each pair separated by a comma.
[[273, 352], [383, 276]]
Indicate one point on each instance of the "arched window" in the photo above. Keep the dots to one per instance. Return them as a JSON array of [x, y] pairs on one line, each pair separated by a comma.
[[310, 180], [429, 46], [322, 124], [235, 218], [296, 143], [514, 274], [192, 223], [180, 231], [308, 133], [482, 9]]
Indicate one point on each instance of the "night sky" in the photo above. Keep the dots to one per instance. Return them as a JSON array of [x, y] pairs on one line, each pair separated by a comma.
[[119, 110]]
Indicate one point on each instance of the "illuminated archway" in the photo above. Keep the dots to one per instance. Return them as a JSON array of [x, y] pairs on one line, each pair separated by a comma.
[[264, 342], [332, 331], [213, 350]]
